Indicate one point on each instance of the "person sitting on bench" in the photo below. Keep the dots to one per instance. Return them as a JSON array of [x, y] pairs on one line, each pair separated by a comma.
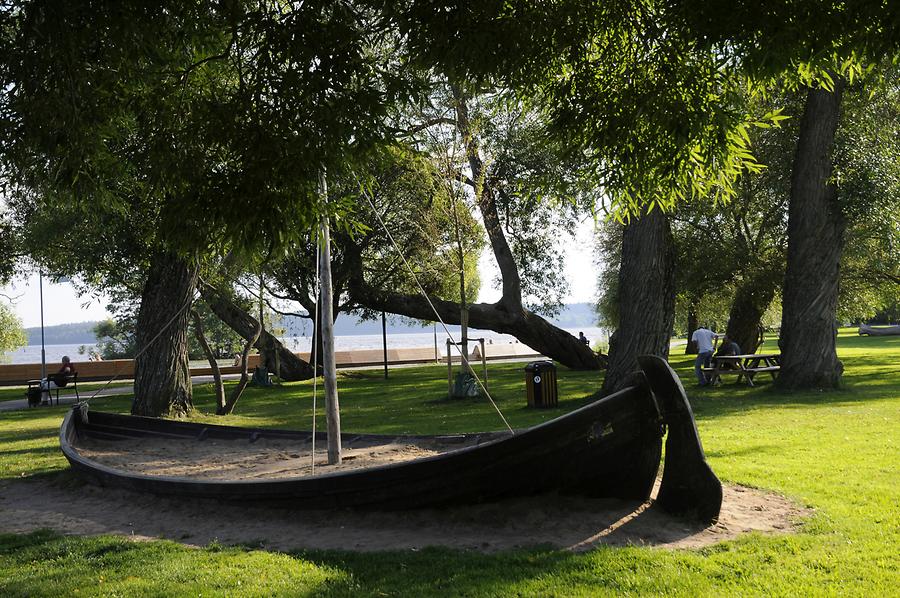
[[726, 349], [57, 380]]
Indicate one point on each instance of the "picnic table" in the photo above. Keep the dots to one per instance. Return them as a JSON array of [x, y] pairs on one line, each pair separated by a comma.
[[744, 366]]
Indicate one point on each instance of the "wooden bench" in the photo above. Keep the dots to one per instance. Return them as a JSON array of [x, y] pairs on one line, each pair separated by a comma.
[[34, 389]]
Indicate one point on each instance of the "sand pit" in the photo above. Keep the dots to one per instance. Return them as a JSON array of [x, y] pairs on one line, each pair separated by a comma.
[[265, 458], [571, 523]]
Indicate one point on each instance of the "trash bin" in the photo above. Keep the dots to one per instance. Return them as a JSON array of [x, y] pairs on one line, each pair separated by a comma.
[[34, 395], [540, 384]]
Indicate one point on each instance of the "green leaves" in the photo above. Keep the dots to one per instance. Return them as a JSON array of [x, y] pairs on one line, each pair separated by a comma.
[[220, 117], [653, 92], [12, 335]]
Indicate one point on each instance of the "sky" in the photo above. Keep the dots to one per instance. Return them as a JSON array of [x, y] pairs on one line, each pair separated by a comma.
[[63, 306], [580, 269]]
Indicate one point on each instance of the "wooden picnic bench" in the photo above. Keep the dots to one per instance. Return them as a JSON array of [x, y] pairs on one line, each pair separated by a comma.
[[744, 366]]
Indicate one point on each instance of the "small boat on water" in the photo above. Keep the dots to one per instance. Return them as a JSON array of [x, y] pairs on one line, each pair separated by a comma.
[[609, 448]]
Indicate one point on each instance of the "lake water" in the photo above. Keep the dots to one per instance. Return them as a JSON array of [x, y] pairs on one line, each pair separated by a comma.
[[32, 353]]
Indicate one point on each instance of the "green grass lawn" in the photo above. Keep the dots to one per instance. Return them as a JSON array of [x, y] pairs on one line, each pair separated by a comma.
[[837, 452]]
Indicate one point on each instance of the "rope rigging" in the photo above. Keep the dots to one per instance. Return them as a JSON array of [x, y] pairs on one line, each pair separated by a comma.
[[464, 358]]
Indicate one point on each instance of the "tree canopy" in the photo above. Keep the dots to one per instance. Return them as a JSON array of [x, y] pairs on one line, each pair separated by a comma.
[[651, 90], [208, 123]]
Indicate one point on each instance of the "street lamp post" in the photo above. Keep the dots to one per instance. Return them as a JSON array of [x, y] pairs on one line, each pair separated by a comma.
[[43, 353]]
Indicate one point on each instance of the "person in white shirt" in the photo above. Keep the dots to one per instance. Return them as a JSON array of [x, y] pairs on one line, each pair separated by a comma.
[[704, 339]]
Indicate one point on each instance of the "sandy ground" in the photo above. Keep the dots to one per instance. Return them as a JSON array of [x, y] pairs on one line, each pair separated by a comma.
[[571, 523], [267, 458]]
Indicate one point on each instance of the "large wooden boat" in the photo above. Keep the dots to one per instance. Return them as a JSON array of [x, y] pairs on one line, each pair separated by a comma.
[[611, 447]]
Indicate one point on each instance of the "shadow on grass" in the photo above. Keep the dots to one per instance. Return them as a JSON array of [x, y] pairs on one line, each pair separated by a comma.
[[753, 451], [720, 402], [118, 567], [51, 474], [31, 432], [46, 450]]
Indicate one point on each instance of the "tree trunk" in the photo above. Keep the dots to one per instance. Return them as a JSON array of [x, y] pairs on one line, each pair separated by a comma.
[[751, 300], [162, 380], [211, 358], [484, 196], [692, 325], [646, 297], [227, 407], [289, 366], [815, 241]]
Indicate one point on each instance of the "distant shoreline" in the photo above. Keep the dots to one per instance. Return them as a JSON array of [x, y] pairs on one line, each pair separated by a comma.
[[575, 316], [343, 342]]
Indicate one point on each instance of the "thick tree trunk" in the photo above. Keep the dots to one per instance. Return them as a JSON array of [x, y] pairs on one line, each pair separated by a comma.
[[646, 297], [692, 324], [750, 303], [288, 367], [815, 241], [162, 380]]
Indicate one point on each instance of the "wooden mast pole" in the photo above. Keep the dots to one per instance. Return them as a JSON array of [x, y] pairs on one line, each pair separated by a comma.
[[332, 407]]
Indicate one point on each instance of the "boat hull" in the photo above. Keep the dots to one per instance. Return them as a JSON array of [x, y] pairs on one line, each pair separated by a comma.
[[610, 448]]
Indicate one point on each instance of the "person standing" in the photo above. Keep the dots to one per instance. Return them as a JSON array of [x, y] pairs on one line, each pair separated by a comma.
[[704, 338]]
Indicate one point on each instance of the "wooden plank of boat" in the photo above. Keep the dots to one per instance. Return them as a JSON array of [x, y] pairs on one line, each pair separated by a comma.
[[611, 447]]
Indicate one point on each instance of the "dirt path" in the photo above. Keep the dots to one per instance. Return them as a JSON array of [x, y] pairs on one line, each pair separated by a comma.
[[566, 522]]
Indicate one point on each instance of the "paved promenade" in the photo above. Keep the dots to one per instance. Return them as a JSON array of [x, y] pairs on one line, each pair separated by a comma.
[[67, 398]]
